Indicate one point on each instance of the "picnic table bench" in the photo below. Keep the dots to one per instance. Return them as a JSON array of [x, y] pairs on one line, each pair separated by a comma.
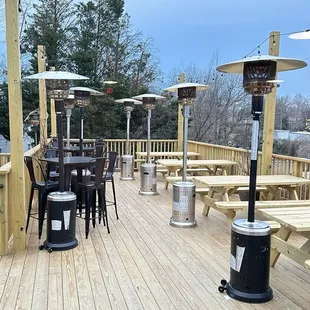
[[212, 166], [222, 188], [292, 220], [230, 208]]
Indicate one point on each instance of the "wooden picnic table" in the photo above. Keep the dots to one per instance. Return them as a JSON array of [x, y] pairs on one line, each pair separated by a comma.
[[211, 166], [297, 220], [157, 155], [225, 186]]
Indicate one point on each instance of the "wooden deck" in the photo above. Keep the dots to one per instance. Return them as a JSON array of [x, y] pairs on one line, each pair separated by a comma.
[[143, 264]]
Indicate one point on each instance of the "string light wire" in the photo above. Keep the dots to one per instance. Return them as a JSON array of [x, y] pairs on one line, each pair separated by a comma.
[[258, 47]]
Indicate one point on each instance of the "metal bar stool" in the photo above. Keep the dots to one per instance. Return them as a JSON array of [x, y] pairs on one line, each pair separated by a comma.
[[108, 177], [91, 188], [44, 188]]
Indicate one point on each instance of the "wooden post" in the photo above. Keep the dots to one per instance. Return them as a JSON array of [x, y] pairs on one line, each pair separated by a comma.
[[270, 111], [53, 114], [4, 220], [181, 79], [17, 194], [42, 96]]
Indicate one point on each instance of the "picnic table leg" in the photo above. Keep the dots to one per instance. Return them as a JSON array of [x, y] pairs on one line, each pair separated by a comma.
[[166, 184], [230, 217], [224, 171], [293, 193], [306, 247], [206, 208], [283, 233]]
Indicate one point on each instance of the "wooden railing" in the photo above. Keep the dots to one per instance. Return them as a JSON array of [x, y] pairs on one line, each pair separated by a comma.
[[119, 145], [280, 165], [4, 158], [7, 213]]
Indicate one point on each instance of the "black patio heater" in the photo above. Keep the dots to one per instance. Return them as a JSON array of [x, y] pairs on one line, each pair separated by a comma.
[[127, 160], [82, 99], [183, 202], [250, 238], [148, 182], [61, 205]]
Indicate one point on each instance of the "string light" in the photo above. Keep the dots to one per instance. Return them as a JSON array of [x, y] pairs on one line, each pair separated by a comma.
[[273, 40]]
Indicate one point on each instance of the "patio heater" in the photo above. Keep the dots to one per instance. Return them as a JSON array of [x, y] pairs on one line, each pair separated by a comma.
[[148, 183], [82, 99], [61, 205], [69, 106], [127, 160], [34, 120], [250, 238], [183, 206]]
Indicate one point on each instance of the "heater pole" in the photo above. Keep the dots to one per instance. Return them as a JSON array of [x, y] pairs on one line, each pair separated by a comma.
[[59, 109], [181, 79], [149, 115], [68, 114], [81, 129], [128, 113], [185, 133], [257, 107]]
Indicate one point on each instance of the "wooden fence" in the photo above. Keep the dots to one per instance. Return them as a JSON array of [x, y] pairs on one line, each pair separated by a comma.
[[119, 145]]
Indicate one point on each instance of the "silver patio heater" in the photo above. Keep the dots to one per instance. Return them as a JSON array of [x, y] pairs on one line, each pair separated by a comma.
[[127, 160], [61, 205], [82, 99], [250, 238], [148, 182], [183, 205], [33, 118], [69, 106]]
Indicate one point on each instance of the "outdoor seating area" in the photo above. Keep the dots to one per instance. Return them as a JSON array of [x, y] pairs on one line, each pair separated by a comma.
[[144, 263], [126, 234], [129, 183]]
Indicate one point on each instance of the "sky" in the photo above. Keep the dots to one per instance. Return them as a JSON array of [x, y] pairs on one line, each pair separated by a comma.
[[191, 32]]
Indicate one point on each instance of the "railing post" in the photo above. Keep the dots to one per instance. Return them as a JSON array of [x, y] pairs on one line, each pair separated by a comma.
[[42, 95], [138, 157], [4, 224], [270, 110], [16, 124]]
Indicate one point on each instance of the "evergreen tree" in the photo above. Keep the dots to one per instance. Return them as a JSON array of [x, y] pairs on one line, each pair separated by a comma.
[[50, 25]]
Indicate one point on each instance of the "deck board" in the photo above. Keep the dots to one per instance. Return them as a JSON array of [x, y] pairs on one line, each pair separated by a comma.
[[143, 264]]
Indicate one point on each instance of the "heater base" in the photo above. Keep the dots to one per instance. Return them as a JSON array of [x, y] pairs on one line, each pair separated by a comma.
[[249, 297], [59, 246], [183, 205], [249, 262], [127, 168], [127, 178], [148, 181], [182, 225], [148, 193], [61, 222]]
